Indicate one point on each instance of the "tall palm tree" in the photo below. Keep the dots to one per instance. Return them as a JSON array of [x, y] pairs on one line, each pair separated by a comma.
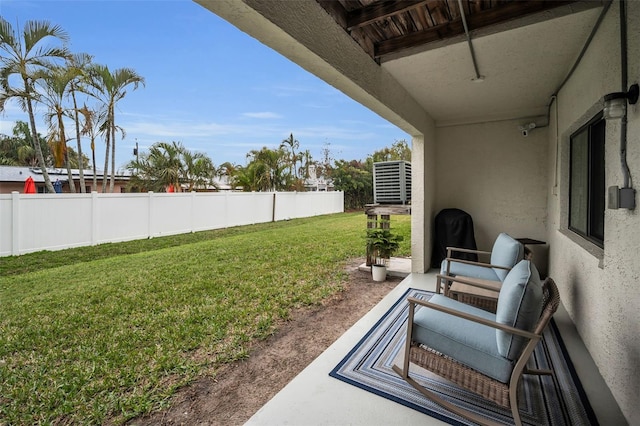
[[306, 160], [110, 88], [77, 65], [54, 83], [23, 57], [291, 144], [91, 128]]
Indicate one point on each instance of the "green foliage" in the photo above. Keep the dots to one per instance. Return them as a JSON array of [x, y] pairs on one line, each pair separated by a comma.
[[17, 150], [110, 87], [24, 54], [97, 335], [171, 164], [382, 243], [282, 169], [399, 150], [267, 170], [355, 179], [290, 145]]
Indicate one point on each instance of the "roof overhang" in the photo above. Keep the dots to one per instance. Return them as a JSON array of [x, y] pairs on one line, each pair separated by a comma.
[[523, 52]]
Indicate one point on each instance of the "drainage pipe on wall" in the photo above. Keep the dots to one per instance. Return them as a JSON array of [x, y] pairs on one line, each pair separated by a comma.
[[628, 182]]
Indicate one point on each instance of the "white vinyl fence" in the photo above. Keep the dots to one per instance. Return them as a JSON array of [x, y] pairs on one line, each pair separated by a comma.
[[34, 222]]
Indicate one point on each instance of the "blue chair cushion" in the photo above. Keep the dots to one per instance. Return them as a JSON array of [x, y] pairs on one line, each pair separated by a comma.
[[466, 270], [519, 305], [506, 252], [466, 341]]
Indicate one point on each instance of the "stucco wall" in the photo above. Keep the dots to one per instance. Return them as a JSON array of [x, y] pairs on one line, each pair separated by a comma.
[[497, 176], [599, 288]]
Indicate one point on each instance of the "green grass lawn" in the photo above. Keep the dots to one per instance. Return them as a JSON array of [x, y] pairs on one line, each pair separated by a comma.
[[110, 332]]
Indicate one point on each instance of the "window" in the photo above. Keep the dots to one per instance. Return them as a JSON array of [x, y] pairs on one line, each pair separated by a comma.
[[586, 182]]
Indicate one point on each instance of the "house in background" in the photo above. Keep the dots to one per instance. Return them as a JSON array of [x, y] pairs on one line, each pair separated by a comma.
[[504, 103], [314, 183], [12, 178]]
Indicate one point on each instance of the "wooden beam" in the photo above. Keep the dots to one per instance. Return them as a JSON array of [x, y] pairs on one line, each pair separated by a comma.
[[387, 209], [485, 18], [379, 11], [336, 10]]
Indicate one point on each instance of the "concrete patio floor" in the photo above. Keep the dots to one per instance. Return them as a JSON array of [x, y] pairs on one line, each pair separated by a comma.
[[398, 267], [314, 398]]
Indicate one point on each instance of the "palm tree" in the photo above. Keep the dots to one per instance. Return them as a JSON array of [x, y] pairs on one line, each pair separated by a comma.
[[77, 65], [198, 170], [229, 171], [245, 178], [54, 83], [91, 128], [110, 87], [25, 57], [306, 160], [171, 164], [268, 169], [291, 144]]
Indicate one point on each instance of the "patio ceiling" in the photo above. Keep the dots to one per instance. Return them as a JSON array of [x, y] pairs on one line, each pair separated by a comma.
[[523, 51]]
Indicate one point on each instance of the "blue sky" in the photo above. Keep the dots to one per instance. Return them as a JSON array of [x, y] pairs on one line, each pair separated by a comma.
[[208, 85]]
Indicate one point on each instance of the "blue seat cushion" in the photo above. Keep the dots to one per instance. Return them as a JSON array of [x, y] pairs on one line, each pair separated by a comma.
[[466, 270], [519, 305], [466, 341], [506, 252]]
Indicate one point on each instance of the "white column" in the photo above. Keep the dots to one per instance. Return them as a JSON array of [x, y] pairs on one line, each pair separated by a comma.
[[419, 224]]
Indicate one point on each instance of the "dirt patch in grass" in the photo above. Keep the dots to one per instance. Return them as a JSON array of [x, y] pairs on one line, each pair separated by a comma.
[[242, 388]]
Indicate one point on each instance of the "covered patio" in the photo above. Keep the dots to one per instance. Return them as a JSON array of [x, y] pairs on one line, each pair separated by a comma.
[[315, 398], [496, 97]]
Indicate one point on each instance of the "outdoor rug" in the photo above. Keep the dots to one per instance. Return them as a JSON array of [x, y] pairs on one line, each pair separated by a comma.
[[542, 399]]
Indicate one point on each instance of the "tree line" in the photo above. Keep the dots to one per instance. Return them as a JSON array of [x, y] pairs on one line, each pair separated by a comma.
[[168, 164], [283, 169]]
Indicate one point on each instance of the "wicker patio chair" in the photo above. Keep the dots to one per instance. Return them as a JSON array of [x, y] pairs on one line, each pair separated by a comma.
[[481, 281], [464, 366], [482, 294]]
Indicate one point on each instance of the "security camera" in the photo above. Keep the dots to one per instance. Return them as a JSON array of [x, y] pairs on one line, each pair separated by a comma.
[[526, 129]]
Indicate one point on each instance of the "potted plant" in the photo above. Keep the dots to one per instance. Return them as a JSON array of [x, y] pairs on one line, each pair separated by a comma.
[[381, 244]]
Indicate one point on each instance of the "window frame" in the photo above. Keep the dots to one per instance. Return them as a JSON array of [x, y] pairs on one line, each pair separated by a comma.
[[595, 165]]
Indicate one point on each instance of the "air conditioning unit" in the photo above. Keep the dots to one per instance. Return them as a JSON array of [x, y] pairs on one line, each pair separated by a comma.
[[392, 182]]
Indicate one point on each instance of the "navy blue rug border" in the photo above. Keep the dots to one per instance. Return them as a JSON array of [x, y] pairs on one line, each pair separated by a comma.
[[572, 371], [574, 375]]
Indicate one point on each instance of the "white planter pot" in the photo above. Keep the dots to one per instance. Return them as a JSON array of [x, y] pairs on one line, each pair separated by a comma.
[[379, 272]]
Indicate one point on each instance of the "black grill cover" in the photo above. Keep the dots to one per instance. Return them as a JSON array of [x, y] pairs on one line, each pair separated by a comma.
[[453, 228]]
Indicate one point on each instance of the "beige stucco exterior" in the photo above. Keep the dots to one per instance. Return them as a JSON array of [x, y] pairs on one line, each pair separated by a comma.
[[505, 181], [599, 288], [495, 174]]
